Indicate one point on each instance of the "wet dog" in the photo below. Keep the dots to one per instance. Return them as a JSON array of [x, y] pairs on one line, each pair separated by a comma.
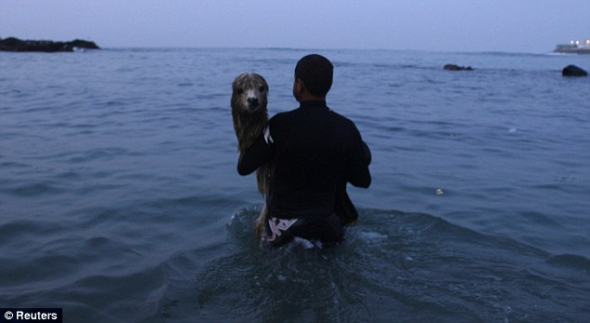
[[250, 117]]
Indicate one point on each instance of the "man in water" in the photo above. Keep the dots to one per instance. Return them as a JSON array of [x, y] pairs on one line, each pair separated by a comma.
[[316, 152]]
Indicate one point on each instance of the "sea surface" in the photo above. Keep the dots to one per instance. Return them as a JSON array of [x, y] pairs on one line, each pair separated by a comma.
[[120, 200]]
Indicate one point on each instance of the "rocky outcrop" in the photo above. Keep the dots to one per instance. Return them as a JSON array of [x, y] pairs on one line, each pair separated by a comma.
[[12, 44], [453, 67], [573, 70]]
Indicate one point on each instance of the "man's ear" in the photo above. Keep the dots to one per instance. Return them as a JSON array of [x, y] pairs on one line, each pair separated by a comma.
[[300, 86]]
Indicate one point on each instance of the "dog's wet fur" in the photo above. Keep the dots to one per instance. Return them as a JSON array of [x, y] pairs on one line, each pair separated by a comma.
[[250, 116]]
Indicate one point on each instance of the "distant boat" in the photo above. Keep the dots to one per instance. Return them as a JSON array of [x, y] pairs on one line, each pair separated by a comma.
[[574, 47]]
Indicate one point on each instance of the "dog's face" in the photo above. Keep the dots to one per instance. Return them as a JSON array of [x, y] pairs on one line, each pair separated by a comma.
[[250, 92]]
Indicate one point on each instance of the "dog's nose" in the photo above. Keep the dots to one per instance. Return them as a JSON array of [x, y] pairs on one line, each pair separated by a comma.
[[253, 102]]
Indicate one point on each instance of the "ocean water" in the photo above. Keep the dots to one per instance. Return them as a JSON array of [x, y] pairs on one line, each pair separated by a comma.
[[120, 200]]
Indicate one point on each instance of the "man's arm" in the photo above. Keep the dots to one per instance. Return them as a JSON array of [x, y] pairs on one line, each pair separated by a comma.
[[256, 155], [359, 174]]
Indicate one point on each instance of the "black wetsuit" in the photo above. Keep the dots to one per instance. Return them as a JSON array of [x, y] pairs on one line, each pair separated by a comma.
[[315, 152]]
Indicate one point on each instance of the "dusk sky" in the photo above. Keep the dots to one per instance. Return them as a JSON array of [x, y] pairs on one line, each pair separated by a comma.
[[530, 26]]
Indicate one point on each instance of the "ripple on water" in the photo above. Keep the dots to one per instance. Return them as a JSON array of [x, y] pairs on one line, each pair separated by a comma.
[[391, 263]]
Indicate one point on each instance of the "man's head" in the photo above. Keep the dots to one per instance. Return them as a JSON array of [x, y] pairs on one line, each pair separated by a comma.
[[313, 75]]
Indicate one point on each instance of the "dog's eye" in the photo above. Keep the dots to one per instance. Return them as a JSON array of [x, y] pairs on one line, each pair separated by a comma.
[[261, 89], [239, 91]]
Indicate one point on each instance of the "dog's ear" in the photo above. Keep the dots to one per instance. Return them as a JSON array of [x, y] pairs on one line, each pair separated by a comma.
[[262, 81]]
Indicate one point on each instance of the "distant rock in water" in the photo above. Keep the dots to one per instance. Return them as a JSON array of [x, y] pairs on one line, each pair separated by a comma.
[[573, 70], [453, 67], [12, 44]]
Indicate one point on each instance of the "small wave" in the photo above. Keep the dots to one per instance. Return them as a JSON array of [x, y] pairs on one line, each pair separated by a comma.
[[105, 154], [571, 261], [35, 189], [16, 231]]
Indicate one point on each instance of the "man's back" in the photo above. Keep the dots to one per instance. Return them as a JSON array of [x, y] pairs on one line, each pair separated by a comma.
[[316, 151]]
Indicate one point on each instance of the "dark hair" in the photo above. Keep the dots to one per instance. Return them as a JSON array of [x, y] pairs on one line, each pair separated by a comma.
[[316, 72]]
